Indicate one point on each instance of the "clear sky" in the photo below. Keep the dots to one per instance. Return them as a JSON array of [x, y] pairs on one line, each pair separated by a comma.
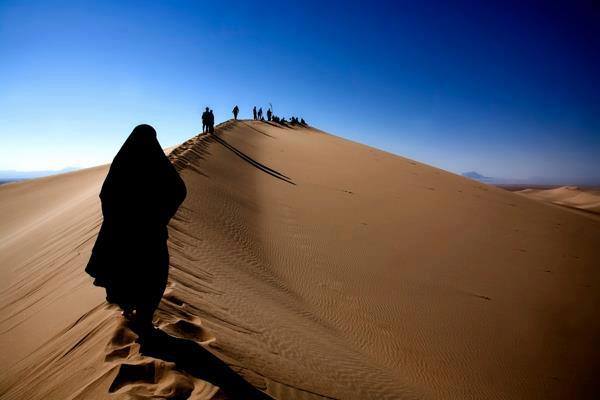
[[506, 89]]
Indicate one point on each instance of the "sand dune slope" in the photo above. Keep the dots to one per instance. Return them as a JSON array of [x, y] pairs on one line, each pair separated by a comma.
[[316, 268], [568, 196]]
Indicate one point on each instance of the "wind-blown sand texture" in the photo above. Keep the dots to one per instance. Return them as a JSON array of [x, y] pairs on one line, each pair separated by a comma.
[[568, 196], [316, 268]]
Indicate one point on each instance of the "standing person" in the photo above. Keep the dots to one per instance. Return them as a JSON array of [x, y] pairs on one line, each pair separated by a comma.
[[211, 122], [205, 116], [269, 114], [235, 112], [260, 113], [254, 112], [139, 196]]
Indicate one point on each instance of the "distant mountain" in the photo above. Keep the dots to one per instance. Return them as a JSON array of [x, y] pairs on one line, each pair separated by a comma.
[[533, 181], [12, 175], [478, 177]]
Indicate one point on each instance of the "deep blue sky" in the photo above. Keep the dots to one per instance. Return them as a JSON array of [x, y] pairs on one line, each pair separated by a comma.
[[508, 90]]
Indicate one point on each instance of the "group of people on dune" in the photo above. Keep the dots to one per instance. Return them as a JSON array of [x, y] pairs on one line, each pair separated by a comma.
[[257, 115], [208, 121]]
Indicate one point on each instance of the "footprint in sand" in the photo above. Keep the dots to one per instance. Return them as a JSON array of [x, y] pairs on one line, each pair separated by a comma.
[[122, 344], [152, 378], [192, 330], [139, 376], [172, 298]]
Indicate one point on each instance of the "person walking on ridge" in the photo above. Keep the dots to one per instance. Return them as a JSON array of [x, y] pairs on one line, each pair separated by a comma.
[[260, 117], [254, 112], [211, 122], [269, 114], [130, 258], [205, 117], [235, 112]]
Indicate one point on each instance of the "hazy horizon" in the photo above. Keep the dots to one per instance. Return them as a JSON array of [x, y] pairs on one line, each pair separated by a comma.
[[7, 176], [508, 92]]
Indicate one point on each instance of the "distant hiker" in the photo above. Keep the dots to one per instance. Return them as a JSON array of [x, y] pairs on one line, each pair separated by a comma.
[[211, 122], [254, 112], [260, 113], [205, 117], [235, 112], [269, 114], [302, 121], [130, 258]]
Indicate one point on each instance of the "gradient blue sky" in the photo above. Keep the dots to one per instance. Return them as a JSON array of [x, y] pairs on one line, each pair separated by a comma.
[[509, 90]]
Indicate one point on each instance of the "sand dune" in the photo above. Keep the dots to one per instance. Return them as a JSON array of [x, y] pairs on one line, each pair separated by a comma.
[[316, 268], [568, 196]]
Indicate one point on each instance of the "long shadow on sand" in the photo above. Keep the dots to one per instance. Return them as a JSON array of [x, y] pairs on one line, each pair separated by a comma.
[[257, 130], [193, 359], [252, 161]]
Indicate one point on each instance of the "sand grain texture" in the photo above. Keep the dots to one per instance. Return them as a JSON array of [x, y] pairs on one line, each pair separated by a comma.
[[316, 268]]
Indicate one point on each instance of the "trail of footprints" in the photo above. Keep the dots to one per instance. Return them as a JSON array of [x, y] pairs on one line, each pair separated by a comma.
[[143, 377]]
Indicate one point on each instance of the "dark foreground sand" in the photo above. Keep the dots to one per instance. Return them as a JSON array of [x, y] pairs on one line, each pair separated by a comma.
[[316, 268]]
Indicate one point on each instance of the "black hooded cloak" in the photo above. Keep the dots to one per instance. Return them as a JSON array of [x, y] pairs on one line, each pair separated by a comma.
[[140, 194]]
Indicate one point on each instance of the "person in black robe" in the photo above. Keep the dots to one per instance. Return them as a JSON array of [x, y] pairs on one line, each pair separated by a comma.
[[205, 118], [140, 194], [211, 122]]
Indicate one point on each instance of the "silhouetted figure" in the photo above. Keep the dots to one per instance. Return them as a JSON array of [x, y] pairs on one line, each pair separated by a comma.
[[235, 112], [254, 112], [302, 121], [205, 118], [211, 122], [260, 115], [269, 114], [140, 194]]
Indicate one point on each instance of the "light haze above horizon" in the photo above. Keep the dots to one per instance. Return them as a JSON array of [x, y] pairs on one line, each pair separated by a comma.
[[506, 90]]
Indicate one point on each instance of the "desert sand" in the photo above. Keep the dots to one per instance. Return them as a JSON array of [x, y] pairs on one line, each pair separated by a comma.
[[316, 268], [568, 196]]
